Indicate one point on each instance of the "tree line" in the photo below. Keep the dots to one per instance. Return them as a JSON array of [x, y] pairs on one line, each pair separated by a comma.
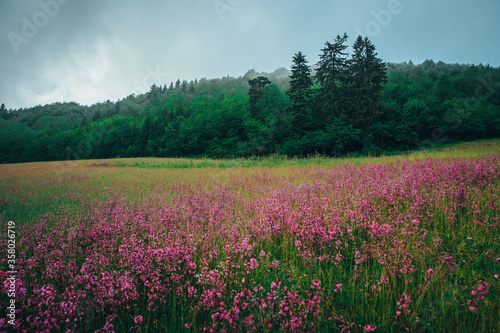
[[348, 102]]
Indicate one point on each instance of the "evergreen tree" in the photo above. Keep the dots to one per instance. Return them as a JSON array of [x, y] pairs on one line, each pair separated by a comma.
[[152, 90], [299, 92], [3, 112], [171, 87], [96, 116], [332, 76], [256, 92], [367, 73], [117, 108], [184, 86], [177, 84]]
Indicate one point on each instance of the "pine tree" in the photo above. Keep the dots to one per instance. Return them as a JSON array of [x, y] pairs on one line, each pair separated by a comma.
[[117, 108], [256, 92], [184, 86], [3, 112], [299, 92], [332, 75], [152, 90], [367, 73]]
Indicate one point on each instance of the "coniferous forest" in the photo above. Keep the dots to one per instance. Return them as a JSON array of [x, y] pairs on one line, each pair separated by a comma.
[[349, 102]]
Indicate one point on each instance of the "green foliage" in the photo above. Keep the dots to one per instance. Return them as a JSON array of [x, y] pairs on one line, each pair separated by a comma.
[[332, 75], [300, 94], [333, 141], [367, 76], [387, 106], [255, 94], [14, 138]]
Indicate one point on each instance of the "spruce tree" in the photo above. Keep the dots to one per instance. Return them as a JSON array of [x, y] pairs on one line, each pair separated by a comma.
[[367, 73], [256, 92], [184, 85], [332, 76], [299, 92], [3, 112]]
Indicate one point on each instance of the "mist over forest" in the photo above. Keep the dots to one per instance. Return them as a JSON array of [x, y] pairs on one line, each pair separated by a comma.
[[350, 102]]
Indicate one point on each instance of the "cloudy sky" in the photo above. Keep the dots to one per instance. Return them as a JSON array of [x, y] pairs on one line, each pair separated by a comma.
[[93, 50]]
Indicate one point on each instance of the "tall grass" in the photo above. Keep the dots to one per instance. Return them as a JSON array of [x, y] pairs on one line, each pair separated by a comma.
[[391, 244]]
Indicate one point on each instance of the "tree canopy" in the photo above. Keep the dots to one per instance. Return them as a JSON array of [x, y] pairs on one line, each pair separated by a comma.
[[346, 103]]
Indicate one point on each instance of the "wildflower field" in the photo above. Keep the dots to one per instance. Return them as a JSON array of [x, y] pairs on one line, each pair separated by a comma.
[[390, 244]]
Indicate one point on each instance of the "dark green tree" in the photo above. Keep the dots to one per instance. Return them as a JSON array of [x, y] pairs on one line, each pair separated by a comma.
[[96, 116], [154, 91], [84, 123], [256, 92], [367, 74], [332, 76], [184, 85], [300, 95], [3, 112], [444, 88]]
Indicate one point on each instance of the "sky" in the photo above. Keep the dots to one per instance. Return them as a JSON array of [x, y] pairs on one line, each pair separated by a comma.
[[90, 51]]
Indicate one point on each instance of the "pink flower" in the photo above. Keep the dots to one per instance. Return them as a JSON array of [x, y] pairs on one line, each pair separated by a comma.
[[496, 276], [472, 308], [138, 320], [398, 313], [369, 328]]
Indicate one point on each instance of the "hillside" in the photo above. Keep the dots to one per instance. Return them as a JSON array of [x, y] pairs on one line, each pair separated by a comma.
[[420, 106]]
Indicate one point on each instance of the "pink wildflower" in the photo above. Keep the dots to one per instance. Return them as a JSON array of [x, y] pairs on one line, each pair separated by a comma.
[[369, 328]]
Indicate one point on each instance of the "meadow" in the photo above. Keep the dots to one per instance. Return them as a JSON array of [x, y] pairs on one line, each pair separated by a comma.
[[409, 242]]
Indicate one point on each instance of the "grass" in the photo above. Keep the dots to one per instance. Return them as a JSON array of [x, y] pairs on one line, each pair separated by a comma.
[[32, 189], [422, 225]]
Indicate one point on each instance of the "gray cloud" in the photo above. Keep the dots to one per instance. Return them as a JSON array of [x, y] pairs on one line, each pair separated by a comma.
[[94, 50]]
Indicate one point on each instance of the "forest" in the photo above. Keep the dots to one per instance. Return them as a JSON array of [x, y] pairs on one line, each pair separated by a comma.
[[350, 102]]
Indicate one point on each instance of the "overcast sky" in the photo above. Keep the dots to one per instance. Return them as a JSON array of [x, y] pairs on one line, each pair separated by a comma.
[[93, 50]]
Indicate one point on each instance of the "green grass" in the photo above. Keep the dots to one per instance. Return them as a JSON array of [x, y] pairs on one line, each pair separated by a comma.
[[30, 190]]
